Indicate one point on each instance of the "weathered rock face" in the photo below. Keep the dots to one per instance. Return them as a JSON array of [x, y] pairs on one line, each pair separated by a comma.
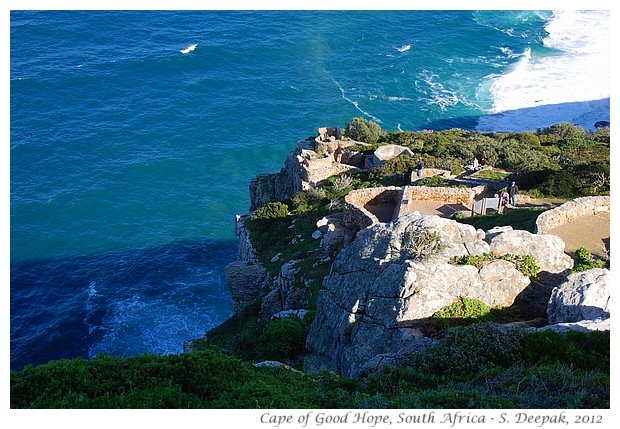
[[266, 188], [581, 326], [247, 281], [285, 294], [379, 287], [247, 278], [548, 250], [334, 234], [245, 249], [584, 296]]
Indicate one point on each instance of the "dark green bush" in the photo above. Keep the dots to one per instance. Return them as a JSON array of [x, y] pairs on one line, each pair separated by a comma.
[[395, 171], [462, 310], [364, 130], [585, 261], [271, 211], [283, 339], [471, 349], [586, 351]]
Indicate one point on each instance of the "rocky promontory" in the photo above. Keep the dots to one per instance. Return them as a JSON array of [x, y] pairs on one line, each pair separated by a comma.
[[388, 277]]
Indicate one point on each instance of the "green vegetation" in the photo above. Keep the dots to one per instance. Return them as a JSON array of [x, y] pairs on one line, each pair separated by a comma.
[[420, 243], [464, 311], [585, 261], [558, 161], [478, 366], [526, 264], [491, 174], [363, 130]]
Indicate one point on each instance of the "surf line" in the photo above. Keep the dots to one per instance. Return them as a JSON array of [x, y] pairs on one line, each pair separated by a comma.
[[354, 103]]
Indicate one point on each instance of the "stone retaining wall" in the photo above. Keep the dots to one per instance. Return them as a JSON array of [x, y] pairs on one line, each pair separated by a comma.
[[355, 215], [570, 211], [429, 172], [316, 170], [447, 195]]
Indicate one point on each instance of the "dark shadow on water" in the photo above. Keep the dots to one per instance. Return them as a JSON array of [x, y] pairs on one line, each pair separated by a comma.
[[54, 302], [543, 112]]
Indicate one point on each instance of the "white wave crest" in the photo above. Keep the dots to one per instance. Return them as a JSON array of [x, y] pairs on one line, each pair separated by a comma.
[[189, 49], [569, 81], [403, 48]]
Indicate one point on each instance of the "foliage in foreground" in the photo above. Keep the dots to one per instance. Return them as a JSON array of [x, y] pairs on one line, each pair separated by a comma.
[[480, 366], [585, 261]]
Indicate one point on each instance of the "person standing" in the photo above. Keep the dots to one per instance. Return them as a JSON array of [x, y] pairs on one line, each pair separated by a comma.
[[512, 194], [419, 165], [338, 154]]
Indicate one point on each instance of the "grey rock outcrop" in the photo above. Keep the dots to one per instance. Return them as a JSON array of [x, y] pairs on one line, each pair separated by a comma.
[[581, 326], [247, 278], [584, 296], [285, 293], [392, 276], [247, 281], [246, 251], [266, 188], [548, 250]]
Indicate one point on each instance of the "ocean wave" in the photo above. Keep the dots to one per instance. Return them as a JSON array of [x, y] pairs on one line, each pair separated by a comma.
[[403, 48], [189, 49], [575, 69]]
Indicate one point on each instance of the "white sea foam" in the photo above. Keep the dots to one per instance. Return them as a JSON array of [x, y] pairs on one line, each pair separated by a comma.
[[541, 90], [189, 49], [353, 102], [437, 93], [403, 48]]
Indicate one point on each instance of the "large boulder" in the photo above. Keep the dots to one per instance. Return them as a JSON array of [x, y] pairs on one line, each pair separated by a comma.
[[548, 250], [581, 326], [584, 296], [392, 277], [247, 281]]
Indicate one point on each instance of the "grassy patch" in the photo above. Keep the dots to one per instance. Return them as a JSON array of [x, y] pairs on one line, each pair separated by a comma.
[[491, 174]]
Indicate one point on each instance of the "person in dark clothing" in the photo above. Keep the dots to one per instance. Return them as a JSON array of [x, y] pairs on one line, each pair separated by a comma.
[[419, 165], [512, 194]]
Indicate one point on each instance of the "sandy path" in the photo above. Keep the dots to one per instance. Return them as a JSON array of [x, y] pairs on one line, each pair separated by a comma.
[[591, 232]]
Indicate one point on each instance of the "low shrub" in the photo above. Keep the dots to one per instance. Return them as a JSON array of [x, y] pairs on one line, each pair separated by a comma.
[[271, 211], [585, 261]]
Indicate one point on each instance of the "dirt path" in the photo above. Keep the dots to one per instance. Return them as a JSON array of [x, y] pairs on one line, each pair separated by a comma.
[[591, 232]]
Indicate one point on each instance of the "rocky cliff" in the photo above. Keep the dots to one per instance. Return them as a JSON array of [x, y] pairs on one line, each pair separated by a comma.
[[389, 278], [394, 275]]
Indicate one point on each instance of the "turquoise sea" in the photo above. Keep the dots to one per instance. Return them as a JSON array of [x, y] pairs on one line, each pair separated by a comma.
[[134, 136]]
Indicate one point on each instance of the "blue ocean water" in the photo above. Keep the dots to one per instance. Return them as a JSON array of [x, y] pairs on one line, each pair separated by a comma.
[[135, 134]]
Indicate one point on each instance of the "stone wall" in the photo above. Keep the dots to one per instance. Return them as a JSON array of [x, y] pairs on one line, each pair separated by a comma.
[[318, 169], [447, 195], [429, 172], [570, 211], [355, 215]]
